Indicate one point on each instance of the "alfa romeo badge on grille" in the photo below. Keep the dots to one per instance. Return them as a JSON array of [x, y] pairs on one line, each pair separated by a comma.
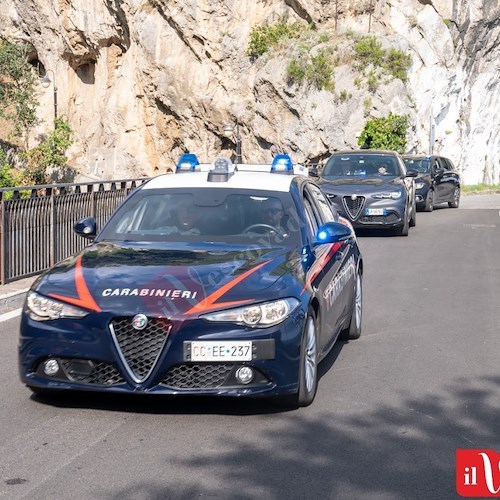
[[354, 197], [139, 321]]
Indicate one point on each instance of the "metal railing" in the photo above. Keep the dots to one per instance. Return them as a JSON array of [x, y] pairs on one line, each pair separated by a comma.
[[36, 222]]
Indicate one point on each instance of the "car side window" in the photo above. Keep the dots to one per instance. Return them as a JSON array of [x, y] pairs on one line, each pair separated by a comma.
[[312, 224], [322, 204], [441, 164], [449, 164]]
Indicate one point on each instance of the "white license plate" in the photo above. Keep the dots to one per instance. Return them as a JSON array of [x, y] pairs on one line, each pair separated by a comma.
[[375, 211], [221, 351]]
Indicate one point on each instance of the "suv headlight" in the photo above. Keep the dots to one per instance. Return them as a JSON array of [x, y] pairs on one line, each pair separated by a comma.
[[419, 185], [393, 195], [257, 315], [42, 308]]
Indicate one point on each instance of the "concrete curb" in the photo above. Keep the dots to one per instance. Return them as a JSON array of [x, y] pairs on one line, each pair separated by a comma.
[[11, 301], [12, 295]]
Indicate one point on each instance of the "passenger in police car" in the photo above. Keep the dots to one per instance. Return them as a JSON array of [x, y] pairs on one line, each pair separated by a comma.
[[187, 220]]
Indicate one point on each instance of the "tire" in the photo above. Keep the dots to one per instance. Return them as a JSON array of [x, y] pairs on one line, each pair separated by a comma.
[[456, 198], [308, 370], [354, 329], [429, 201], [404, 229], [413, 220]]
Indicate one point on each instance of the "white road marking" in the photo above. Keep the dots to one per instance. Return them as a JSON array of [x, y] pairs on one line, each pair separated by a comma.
[[10, 315]]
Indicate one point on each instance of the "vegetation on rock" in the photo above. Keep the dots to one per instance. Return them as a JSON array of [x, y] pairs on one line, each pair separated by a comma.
[[18, 107], [385, 133]]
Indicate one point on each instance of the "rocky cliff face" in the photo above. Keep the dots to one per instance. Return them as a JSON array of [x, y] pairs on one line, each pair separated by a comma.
[[142, 81]]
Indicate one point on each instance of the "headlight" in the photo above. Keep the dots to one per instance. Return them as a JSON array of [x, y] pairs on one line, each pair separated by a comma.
[[257, 315], [419, 185], [42, 308], [393, 195]]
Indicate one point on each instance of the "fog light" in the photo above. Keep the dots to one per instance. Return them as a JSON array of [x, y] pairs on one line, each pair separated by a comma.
[[244, 374], [51, 367]]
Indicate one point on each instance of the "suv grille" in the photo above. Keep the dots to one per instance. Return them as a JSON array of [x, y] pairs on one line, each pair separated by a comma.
[[140, 349], [197, 376], [353, 206], [91, 372]]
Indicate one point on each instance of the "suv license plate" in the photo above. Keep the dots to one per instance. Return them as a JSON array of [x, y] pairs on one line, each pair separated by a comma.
[[376, 211], [221, 351]]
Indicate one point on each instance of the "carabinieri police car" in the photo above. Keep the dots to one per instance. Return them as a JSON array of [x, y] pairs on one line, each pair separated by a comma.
[[220, 279]]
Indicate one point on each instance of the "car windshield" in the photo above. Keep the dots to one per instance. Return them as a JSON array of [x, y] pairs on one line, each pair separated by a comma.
[[360, 165], [200, 215], [421, 165]]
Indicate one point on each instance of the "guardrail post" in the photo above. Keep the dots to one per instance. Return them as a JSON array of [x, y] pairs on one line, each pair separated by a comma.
[[2, 240], [52, 229]]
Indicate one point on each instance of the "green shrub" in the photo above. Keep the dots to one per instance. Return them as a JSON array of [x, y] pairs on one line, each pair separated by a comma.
[[369, 51], [263, 38], [345, 95], [317, 69], [397, 64], [372, 80], [18, 101], [367, 106], [385, 133], [50, 153]]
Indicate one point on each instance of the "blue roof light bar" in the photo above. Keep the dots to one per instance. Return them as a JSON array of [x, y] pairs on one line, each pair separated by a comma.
[[187, 163], [282, 164]]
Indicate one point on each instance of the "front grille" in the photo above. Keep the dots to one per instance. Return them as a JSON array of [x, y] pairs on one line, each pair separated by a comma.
[[197, 376], [91, 372], [353, 206], [391, 218], [140, 349]]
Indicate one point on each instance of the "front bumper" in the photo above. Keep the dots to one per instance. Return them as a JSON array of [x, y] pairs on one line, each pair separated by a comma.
[[363, 214], [91, 356], [421, 196]]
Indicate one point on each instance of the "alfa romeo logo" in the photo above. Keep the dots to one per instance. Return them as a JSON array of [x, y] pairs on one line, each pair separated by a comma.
[[139, 321], [354, 197]]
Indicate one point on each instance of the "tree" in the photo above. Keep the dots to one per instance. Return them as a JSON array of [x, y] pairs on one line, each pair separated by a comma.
[[385, 133], [18, 101], [50, 153], [8, 177]]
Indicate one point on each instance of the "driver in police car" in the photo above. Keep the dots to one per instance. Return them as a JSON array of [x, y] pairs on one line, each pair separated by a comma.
[[272, 214]]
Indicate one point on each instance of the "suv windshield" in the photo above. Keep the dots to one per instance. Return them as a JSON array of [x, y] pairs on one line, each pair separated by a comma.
[[222, 215], [373, 165], [421, 165]]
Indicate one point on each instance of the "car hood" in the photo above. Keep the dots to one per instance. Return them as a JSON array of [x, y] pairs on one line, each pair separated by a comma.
[[360, 185], [168, 280]]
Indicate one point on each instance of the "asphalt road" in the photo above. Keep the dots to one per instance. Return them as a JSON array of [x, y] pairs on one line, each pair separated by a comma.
[[391, 410]]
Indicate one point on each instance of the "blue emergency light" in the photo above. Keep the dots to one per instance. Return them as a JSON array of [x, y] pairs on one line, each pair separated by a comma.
[[187, 163], [282, 164]]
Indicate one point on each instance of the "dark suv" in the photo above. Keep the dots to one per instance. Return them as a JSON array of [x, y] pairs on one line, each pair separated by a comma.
[[372, 189], [438, 181]]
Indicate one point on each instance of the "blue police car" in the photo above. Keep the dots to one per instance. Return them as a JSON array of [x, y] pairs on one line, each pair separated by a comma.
[[219, 279]]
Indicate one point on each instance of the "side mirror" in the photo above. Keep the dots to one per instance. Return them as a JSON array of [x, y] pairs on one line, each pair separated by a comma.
[[86, 227], [313, 172], [440, 171], [411, 173], [332, 232]]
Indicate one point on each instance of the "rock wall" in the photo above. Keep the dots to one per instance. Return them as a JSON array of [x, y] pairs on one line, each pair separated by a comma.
[[142, 81]]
